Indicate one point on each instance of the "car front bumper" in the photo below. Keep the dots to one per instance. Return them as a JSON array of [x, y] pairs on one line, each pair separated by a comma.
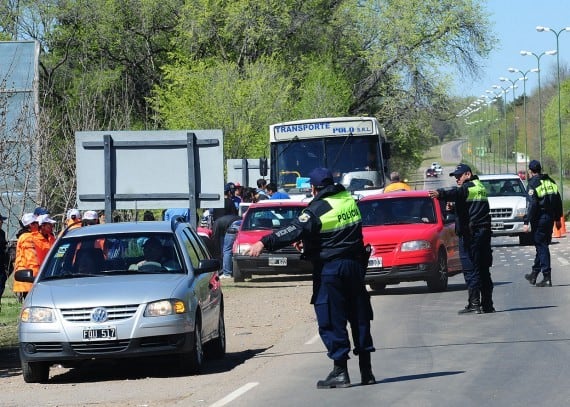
[[270, 264], [401, 273]]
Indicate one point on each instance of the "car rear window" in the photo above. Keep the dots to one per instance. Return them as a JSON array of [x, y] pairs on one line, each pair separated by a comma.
[[105, 255]]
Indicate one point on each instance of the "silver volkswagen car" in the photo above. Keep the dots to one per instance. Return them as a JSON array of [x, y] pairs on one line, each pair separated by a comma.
[[123, 290]]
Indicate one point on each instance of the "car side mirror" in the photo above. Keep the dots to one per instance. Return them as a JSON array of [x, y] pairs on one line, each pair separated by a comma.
[[24, 276], [208, 265]]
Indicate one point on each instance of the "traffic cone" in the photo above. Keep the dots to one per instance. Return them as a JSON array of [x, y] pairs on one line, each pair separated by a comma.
[[558, 232], [562, 225]]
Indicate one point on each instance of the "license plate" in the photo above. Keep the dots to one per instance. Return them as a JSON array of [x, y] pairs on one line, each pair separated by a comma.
[[99, 334], [278, 261], [497, 225]]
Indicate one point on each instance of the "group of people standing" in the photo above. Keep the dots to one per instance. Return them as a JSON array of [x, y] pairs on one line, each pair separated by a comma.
[[36, 237]]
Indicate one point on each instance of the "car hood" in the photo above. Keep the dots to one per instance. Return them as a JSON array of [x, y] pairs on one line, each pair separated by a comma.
[[506, 201], [399, 233], [105, 291]]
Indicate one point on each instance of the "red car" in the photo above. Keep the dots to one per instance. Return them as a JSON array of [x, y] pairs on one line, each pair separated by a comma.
[[261, 219], [430, 172], [411, 240]]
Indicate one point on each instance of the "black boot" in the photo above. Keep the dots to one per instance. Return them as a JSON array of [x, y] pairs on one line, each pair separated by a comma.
[[338, 377], [546, 280], [532, 276], [474, 304], [366, 375]]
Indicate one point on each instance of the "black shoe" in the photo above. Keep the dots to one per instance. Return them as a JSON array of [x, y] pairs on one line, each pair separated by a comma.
[[488, 310], [545, 283], [367, 377], [469, 309], [337, 378], [531, 277]]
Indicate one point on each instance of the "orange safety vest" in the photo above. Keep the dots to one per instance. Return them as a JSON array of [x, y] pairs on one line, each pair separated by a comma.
[[26, 259]]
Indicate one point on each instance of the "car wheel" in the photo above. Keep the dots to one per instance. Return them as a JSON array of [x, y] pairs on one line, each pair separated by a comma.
[[217, 348], [440, 278], [191, 362], [525, 239], [237, 273], [377, 286], [35, 372]]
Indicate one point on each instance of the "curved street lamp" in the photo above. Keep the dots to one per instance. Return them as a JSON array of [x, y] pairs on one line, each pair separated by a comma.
[[503, 79], [557, 34], [526, 53], [505, 90], [524, 78]]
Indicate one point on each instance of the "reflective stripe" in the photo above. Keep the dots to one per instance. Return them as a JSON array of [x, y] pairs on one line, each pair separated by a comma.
[[344, 212], [546, 187], [477, 192]]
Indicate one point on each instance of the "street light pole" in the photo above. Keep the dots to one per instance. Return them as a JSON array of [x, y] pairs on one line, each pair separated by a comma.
[[526, 53], [503, 79], [505, 90], [524, 79], [557, 34]]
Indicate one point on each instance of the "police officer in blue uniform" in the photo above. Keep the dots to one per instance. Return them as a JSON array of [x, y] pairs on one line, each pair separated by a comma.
[[473, 227], [544, 209], [329, 231]]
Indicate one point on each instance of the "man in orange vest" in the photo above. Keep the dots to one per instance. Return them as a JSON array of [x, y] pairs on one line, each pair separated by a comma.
[[26, 255], [45, 239]]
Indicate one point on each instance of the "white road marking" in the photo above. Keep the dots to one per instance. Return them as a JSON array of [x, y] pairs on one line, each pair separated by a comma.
[[313, 340], [563, 261], [235, 394]]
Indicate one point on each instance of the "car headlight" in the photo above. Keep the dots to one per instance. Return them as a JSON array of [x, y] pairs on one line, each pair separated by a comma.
[[416, 245], [164, 307], [37, 315], [243, 249]]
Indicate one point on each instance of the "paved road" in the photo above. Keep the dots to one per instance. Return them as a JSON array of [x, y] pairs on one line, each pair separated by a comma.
[[428, 355]]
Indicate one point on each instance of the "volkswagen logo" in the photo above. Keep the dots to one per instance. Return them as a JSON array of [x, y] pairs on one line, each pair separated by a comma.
[[99, 315]]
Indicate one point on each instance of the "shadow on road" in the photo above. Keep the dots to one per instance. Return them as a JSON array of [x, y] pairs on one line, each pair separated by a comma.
[[419, 376], [124, 369]]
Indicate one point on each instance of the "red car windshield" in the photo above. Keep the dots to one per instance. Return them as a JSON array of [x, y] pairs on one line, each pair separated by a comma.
[[270, 217], [396, 211]]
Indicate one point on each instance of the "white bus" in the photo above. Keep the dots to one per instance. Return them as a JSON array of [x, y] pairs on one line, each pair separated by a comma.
[[353, 148]]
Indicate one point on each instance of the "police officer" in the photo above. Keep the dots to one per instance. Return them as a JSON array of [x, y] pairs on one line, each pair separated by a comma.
[[330, 231], [544, 209], [473, 226]]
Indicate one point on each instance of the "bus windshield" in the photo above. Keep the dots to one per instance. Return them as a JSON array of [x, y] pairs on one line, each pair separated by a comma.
[[342, 155]]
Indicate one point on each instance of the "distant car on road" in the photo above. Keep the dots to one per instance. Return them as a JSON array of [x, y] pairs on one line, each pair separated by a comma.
[[437, 168], [507, 202], [411, 239], [261, 219], [430, 172], [123, 290]]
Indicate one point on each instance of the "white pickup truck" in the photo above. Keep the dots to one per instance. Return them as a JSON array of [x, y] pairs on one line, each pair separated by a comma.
[[507, 200]]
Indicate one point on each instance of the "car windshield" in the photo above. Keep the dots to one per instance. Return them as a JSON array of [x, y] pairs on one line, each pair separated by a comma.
[[397, 211], [270, 217], [504, 187], [104, 255]]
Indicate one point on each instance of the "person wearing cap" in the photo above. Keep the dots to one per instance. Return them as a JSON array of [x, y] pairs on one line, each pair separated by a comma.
[[329, 231], [26, 255], [45, 239], [473, 227], [396, 184], [3, 259], [90, 218], [544, 209], [73, 220]]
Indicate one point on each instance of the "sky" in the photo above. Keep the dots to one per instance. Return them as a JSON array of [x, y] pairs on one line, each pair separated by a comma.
[[514, 23]]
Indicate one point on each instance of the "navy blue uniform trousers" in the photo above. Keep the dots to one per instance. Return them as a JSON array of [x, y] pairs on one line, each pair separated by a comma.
[[340, 297], [542, 236]]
